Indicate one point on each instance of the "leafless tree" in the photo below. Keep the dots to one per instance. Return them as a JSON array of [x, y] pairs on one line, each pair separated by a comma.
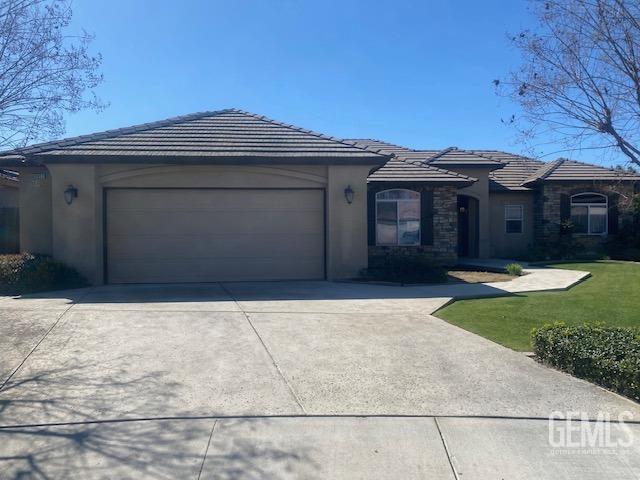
[[579, 82], [44, 71]]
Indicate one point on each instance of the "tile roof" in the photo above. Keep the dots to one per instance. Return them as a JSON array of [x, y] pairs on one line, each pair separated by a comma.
[[232, 135], [515, 170], [409, 166], [451, 156], [564, 169]]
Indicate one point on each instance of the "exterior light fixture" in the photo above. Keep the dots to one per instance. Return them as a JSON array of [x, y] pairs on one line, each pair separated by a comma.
[[348, 194], [70, 193]]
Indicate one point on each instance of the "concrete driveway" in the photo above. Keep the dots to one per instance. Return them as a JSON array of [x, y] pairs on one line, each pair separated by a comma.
[[278, 380]]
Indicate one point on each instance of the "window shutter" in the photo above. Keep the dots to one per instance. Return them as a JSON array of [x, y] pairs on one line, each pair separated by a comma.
[[565, 207], [613, 214], [426, 217], [371, 217]]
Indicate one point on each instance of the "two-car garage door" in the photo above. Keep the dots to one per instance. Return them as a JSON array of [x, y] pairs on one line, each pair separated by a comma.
[[160, 235]]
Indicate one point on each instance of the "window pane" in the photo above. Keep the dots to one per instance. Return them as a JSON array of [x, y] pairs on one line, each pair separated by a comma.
[[513, 212], [398, 195], [514, 226], [580, 219], [387, 223], [588, 198], [409, 223], [598, 219]]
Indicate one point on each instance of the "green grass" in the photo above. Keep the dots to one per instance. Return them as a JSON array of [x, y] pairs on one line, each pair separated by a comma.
[[611, 295]]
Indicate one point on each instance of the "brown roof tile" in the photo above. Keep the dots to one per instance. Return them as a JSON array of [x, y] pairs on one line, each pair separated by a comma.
[[409, 166], [208, 136], [564, 170]]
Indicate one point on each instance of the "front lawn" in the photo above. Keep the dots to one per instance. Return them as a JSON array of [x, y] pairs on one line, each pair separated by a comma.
[[611, 295]]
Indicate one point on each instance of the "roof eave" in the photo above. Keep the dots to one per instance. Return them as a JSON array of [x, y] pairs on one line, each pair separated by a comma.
[[43, 159], [446, 183]]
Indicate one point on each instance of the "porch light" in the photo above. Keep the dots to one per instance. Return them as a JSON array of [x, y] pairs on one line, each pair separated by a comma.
[[348, 194], [70, 193]]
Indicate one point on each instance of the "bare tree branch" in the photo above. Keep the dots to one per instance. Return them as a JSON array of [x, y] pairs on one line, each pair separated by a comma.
[[44, 73], [580, 74]]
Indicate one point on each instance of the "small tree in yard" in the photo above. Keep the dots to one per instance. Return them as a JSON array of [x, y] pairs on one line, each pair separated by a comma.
[[580, 78], [44, 72]]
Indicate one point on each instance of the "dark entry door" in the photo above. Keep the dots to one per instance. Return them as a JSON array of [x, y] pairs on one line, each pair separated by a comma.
[[468, 226], [463, 226]]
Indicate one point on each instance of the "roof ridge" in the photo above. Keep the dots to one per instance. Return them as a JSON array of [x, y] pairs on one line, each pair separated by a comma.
[[442, 152], [552, 168], [544, 171], [303, 130], [420, 163]]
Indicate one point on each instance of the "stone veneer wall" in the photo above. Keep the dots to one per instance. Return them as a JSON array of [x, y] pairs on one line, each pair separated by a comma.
[[444, 249], [547, 209]]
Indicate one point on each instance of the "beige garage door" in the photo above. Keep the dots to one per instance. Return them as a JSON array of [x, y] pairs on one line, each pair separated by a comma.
[[208, 235]]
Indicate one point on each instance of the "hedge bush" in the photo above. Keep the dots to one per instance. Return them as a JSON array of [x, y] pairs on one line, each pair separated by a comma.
[[405, 269], [27, 273], [607, 356]]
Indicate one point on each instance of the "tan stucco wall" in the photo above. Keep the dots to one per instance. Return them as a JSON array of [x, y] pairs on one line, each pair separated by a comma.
[[77, 229], [511, 245], [35, 210], [480, 191], [347, 250]]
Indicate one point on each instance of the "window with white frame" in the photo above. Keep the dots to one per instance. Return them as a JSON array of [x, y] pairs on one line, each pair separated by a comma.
[[513, 218], [589, 213], [398, 217]]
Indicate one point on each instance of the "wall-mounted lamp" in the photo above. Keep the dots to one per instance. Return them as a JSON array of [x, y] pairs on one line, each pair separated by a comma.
[[348, 194], [70, 193]]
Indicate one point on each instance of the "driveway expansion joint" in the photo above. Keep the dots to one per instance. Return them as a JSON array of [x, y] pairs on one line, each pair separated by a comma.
[[266, 349], [446, 449], [206, 451]]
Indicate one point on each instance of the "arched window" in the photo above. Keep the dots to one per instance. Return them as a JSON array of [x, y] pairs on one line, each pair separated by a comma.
[[398, 217], [589, 213]]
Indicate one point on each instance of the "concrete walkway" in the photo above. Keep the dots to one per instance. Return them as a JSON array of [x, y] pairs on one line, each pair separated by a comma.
[[282, 380]]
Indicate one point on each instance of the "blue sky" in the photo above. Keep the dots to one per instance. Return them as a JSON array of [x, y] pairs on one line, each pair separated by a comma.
[[414, 73]]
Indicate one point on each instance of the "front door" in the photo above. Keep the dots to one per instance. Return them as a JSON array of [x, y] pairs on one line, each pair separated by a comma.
[[468, 226]]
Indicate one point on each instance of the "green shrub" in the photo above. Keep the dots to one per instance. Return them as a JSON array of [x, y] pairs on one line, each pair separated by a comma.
[[405, 269], [514, 269], [608, 356], [27, 273]]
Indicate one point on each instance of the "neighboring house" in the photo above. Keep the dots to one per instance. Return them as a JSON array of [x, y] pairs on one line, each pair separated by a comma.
[[230, 195], [9, 218]]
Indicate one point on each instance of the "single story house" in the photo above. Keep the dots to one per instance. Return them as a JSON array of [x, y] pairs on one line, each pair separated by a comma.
[[230, 195]]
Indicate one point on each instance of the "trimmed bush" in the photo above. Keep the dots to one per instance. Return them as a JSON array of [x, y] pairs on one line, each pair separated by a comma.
[[405, 269], [607, 356], [514, 269], [27, 273]]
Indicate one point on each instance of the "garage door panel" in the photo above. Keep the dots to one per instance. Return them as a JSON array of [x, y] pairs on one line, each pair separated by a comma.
[[200, 235], [151, 247], [206, 222], [223, 200], [195, 270]]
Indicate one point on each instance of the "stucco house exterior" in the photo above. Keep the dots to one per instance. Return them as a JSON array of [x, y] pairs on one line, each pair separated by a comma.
[[230, 195]]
